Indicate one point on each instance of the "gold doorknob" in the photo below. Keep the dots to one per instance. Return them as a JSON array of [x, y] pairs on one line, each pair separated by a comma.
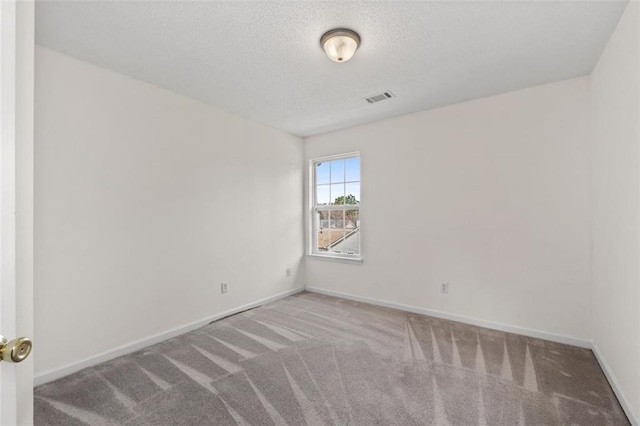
[[17, 350]]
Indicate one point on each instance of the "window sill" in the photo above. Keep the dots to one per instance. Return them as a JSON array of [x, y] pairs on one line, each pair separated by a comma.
[[339, 259]]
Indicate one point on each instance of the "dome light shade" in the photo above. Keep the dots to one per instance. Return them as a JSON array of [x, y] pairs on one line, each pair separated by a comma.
[[340, 44]]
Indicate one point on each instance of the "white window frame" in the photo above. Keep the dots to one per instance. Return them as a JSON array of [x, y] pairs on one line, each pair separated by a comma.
[[313, 248]]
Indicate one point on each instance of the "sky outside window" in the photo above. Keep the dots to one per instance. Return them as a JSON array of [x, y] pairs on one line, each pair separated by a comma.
[[337, 179]]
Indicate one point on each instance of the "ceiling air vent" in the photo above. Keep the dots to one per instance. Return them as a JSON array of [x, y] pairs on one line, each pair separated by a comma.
[[380, 97]]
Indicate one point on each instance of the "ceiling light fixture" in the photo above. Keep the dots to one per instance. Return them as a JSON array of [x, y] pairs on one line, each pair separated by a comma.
[[340, 44]]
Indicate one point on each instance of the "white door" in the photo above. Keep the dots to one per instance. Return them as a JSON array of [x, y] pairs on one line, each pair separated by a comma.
[[16, 208]]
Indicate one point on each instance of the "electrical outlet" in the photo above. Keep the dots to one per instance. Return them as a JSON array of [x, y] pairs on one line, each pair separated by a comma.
[[288, 272], [224, 287], [444, 288]]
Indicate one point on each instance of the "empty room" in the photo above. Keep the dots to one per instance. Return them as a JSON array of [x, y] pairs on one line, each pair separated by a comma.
[[319, 213]]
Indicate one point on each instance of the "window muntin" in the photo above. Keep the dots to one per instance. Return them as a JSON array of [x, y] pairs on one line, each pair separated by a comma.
[[336, 206]]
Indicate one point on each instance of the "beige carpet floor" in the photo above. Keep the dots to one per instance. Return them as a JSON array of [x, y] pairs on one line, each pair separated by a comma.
[[314, 360]]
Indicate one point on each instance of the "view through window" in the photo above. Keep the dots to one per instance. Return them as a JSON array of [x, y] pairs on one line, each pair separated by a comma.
[[337, 206]]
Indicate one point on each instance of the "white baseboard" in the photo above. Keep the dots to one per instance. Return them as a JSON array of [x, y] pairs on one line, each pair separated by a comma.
[[608, 372], [559, 338], [59, 372]]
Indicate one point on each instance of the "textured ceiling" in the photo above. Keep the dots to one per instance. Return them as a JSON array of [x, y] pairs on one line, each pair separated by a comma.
[[263, 61]]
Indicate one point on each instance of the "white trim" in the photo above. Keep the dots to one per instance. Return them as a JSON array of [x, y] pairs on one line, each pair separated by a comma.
[[8, 290], [65, 370], [335, 157], [608, 372], [336, 207], [336, 258], [312, 247], [559, 338]]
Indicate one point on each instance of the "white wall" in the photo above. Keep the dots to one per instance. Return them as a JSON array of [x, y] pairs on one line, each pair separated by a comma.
[[615, 152], [145, 201], [490, 195]]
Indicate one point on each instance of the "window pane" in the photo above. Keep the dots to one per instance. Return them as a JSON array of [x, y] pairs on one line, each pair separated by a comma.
[[322, 220], [323, 226], [323, 195], [353, 169], [337, 237], [345, 243], [337, 220], [337, 171], [350, 241], [351, 244], [322, 172], [351, 220], [337, 193], [353, 193], [323, 237]]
